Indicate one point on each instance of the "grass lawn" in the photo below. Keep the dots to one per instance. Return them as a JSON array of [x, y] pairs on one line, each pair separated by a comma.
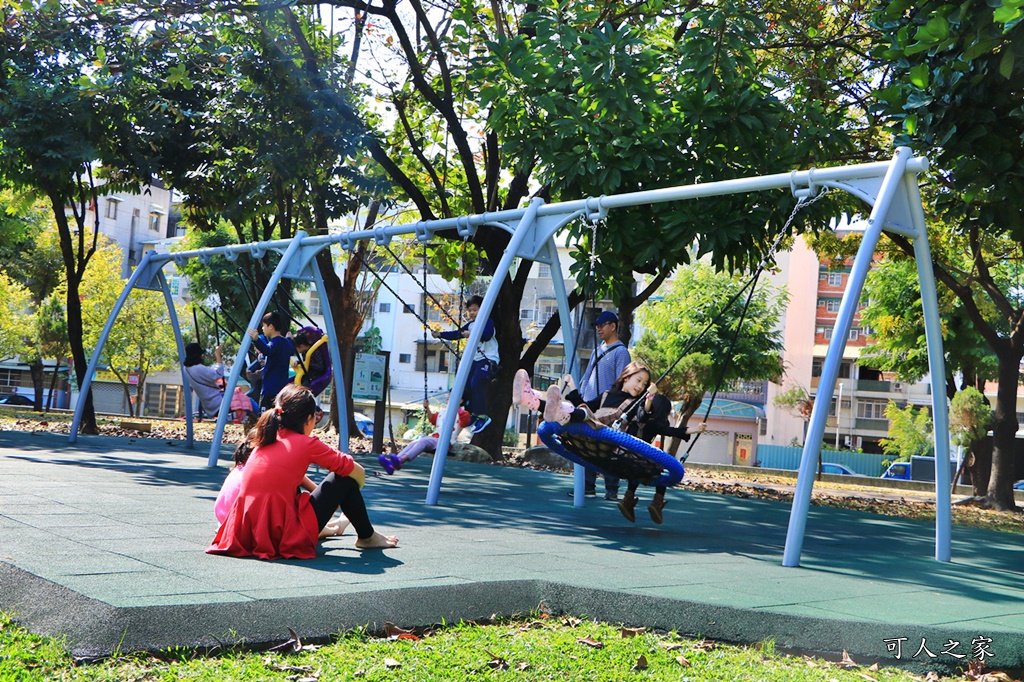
[[543, 649]]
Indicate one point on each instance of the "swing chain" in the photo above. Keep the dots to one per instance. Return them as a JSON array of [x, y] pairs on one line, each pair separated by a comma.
[[804, 201]]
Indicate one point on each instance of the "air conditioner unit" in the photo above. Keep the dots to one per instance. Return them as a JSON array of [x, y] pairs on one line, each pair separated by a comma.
[[897, 385], [848, 441]]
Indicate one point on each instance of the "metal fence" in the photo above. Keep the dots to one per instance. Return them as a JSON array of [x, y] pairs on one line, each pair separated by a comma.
[[785, 457]]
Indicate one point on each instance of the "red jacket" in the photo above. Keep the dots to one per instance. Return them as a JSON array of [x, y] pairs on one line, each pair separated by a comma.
[[271, 519]]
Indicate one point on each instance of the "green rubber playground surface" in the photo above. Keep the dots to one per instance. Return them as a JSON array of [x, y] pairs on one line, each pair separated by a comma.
[[102, 542]]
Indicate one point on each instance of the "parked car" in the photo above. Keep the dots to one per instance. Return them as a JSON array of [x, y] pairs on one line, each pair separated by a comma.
[[900, 470], [365, 424], [917, 469], [15, 399], [836, 469]]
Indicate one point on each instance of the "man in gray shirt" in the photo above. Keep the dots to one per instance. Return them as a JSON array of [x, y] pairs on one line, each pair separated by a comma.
[[605, 366]]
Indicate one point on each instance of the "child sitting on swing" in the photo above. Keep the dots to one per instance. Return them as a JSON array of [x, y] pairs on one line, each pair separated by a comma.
[[601, 411], [485, 364], [393, 463], [645, 420]]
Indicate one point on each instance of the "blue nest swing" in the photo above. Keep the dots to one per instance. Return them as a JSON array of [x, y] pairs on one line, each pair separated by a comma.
[[612, 452]]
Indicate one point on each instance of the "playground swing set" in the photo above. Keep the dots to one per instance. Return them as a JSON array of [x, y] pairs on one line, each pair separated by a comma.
[[890, 188]]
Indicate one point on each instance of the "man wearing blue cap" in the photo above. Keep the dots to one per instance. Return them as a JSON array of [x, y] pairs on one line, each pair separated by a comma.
[[606, 364]]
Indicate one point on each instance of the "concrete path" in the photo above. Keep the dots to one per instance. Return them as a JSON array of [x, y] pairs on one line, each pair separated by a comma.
[[102, 542]]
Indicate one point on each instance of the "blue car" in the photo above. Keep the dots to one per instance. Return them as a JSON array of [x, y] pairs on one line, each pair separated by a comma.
[[836, 469], [365, 424]]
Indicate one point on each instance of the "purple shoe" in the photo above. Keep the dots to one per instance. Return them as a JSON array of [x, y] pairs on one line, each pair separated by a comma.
[[390, 463]]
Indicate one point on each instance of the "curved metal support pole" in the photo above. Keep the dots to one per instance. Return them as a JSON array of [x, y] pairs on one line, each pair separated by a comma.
[[833, 358], [332, 344], [569, 346], [462, 375], [937, 369], [180, 343], [243, 348], [94, 360]]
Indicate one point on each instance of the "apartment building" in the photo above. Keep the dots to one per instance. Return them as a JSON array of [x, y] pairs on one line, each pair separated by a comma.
[[136, 222], [857, 413]]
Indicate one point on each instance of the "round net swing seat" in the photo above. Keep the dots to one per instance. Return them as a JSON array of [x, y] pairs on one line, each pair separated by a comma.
[[610, 451]]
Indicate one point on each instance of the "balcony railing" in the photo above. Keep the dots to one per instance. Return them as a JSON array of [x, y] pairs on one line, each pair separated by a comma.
[[874, 386], [872, 424]]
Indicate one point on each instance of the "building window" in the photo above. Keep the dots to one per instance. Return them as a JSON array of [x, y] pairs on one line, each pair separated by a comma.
[[854, 333], [526, 314], [405, 358], [154, 222], [9, 378], [135, 220], [549, 312], [827, 333], [407, 308], [871, 409], [112, 208], [174, 284], [544, 271], [314, 305], [816, 365], [832, 305], [385, 308], [835, 279]]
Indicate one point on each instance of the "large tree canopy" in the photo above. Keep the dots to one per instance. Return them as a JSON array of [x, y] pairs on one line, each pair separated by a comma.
[[954, 90]]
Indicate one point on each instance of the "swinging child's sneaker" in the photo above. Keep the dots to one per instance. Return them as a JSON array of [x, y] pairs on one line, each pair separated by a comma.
[[554, 409], [522, 393], [390, 463], [480, 423]]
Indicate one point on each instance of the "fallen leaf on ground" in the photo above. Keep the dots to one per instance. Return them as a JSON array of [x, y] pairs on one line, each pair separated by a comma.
[[641, 663], [681, 660], [631, 632], [522, 665], [291, 646], [706, 645], [847, 661], [391, 663], [592, 643], [496, 662], [392, 630], [292, 668], [571, 621], [532, 625]]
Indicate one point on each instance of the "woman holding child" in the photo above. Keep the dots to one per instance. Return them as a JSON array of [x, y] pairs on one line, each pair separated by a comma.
[[271, 518]]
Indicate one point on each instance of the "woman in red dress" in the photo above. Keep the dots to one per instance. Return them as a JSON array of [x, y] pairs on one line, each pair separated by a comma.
[[271, 518]]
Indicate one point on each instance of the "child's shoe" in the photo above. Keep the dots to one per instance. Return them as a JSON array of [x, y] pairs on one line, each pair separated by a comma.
[[627, 504], [390, 463], [481, 423], [655, 507], [554, 409], [522, 393]]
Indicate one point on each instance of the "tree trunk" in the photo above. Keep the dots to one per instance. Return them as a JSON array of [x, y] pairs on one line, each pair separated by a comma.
[[1004, 430], [74, 310], [979, 463], [38, 375], [345, 311], [53, 385]]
